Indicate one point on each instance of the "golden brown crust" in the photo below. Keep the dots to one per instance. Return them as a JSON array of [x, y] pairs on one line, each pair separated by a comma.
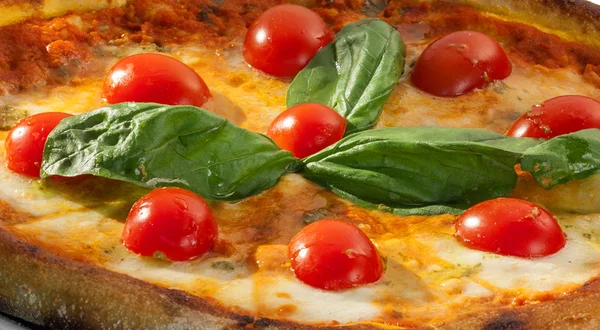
[[63, 294], [580, 310], [577, 19]]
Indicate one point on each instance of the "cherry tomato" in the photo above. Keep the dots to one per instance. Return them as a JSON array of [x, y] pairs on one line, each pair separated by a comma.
[[460, 62], [25, 142], [511, 227], [307, 128], [154, 78], [171, 223], [334, 255], [557, 116], [284, 38]]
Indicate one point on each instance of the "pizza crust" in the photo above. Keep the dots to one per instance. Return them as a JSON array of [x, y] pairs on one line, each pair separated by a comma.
[[578, 18], [580, 309], [63, 294]]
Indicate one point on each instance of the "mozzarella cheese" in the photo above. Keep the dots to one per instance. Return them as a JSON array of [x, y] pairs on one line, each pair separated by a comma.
[[428, 273]]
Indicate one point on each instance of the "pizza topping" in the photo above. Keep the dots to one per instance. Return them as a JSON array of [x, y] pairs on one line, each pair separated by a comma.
[[307, 128], [512, 227], [334, 255], [557, 116], [154, 145], [25, 142], [419, 170], [404, 170], [282, 40], [150, 77], [460, 62], [170, 223], [433, 170], [355, 74]]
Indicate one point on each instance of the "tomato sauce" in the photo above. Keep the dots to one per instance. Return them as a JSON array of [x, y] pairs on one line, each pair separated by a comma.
[[45, 52]]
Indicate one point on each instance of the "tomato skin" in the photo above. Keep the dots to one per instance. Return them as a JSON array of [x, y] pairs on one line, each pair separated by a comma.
[[334, 255], [511, 227], [557, 116], [25, 142], [459, 62], [150, 77], [284, 38], [307, 128], [173, 222]]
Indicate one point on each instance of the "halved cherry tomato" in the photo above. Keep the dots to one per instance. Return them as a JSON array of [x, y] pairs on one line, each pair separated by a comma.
[[171, 223], [157, 78], [283, 39], [511, 227], [307, 128], [334, 255], [459, 62], [558, 116], [25, 142]]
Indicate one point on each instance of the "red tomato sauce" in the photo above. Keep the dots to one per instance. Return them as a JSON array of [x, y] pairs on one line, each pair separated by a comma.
[[49, 52]]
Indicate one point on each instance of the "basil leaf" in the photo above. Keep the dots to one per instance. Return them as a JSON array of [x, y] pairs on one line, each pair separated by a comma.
[[155, 145], [354, 74], [564, 158], [419, 170]]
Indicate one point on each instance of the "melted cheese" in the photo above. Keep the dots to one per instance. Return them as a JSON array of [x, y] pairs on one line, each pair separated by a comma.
[[417, 282], [576, 263], [428, 273]]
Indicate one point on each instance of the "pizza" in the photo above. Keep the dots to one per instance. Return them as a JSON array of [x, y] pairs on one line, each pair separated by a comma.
[[323, 164]]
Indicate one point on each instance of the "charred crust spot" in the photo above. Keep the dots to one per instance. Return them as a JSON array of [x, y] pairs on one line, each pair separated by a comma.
[[53, 322], [204, 15], [31, 250], [264, 323], [506, 321], [244, 321]]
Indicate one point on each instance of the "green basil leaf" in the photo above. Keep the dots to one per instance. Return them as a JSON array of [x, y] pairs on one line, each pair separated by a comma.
[[354, 74], [564, 158], [155, 145], [419, 170]]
